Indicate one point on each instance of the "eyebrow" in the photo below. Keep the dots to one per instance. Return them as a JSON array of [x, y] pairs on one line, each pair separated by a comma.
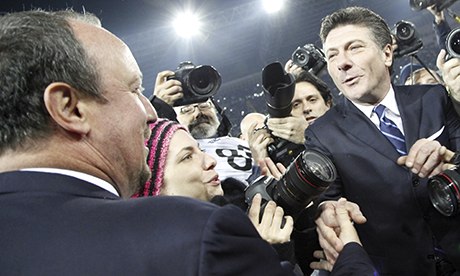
[[346, 45]]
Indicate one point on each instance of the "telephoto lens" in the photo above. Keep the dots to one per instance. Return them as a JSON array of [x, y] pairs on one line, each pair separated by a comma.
[[453, 43], [306, 178], [444, 191]]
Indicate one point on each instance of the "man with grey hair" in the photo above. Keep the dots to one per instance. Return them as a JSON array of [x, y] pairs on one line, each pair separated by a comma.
[[73, 125]]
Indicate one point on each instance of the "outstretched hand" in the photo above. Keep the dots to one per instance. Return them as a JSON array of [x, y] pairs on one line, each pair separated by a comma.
[[270, 226]]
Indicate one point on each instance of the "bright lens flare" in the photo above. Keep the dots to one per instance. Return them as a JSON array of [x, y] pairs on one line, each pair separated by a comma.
[[272, 6], [187, 24]]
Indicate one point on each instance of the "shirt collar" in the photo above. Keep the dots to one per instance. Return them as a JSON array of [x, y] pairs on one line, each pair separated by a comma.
[[389, 101], [83, 176]]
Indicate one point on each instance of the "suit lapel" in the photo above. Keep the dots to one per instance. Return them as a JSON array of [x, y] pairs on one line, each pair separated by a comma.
[[410, 109], [357, 124]]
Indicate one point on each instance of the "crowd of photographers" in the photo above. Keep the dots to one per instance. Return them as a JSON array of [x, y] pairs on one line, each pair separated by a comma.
[[366, 185], [295, 98]]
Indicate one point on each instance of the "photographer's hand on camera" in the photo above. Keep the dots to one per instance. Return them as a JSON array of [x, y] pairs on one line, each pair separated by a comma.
[[292, 68], [270, 227], [258, 140], [168, 90], [289, 128], [424, 158], [450, 71], [268, 167], [438, 15], [327, 224]]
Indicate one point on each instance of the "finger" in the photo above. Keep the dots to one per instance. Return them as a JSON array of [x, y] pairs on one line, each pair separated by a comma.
[[161, 77], [432, 165], [328, 213], [281, 168], [288, 223], [411, 156], [347, 230], [254, 209], [438, 169], [446, 154], [319, 254], [288, 65], [321, 265], [355, 212], [177, 96], [268, 213], [402, 160], [440, 60], [327, 246], [277, 218], [273, 168], [427, 157], [328, 240]]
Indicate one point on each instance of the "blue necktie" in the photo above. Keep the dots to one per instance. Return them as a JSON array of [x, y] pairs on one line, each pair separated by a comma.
[[390, 130]]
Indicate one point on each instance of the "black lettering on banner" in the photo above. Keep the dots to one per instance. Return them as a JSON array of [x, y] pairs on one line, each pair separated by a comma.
[[242, 153]]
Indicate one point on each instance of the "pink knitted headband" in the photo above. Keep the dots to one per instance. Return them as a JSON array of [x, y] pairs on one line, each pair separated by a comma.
[[158, 144]]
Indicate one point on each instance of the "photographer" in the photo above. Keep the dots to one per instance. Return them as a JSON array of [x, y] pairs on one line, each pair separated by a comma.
[[312, 98], [166, 92], [201, 117]]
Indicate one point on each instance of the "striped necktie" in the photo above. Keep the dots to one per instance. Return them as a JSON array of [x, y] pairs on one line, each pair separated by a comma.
[[390, 130]]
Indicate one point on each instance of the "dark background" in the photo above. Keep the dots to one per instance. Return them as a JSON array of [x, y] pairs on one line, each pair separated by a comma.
[[239, 37]]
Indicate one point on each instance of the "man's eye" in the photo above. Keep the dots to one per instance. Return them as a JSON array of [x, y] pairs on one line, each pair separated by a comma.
[[138, 90]]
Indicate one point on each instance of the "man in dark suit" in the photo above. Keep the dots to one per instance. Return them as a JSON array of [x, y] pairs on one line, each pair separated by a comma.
[[73, 125], [383, 154]]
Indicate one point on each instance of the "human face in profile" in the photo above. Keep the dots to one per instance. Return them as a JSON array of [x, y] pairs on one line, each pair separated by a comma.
[[189, 171], [119, 124]]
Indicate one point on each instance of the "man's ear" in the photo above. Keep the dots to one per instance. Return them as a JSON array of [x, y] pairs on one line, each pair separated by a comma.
[[65, 106], [388, 55]]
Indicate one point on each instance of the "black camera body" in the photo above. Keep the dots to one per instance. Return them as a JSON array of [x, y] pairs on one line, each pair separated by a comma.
[[310, 58], [407, 39], [279, 88], [453, 44], [444, 191], [439, 5], [306, 178], [199, 83]]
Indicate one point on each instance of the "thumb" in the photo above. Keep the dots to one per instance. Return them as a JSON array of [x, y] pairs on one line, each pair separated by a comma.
[[347, 230]]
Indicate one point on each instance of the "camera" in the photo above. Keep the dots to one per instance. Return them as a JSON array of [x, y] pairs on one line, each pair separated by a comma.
[[279, 88], [310, 58], [453, 44], [407, 39], [444, 191], [308, 176], [439, 5], [199, 83]]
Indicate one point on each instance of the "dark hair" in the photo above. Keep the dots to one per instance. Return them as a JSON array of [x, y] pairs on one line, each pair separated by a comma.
[[37, 48], [320, 85], [358, 16]]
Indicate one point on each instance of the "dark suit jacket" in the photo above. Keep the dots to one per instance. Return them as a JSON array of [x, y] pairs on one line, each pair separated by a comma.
[[53, 224], [401, 221]]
